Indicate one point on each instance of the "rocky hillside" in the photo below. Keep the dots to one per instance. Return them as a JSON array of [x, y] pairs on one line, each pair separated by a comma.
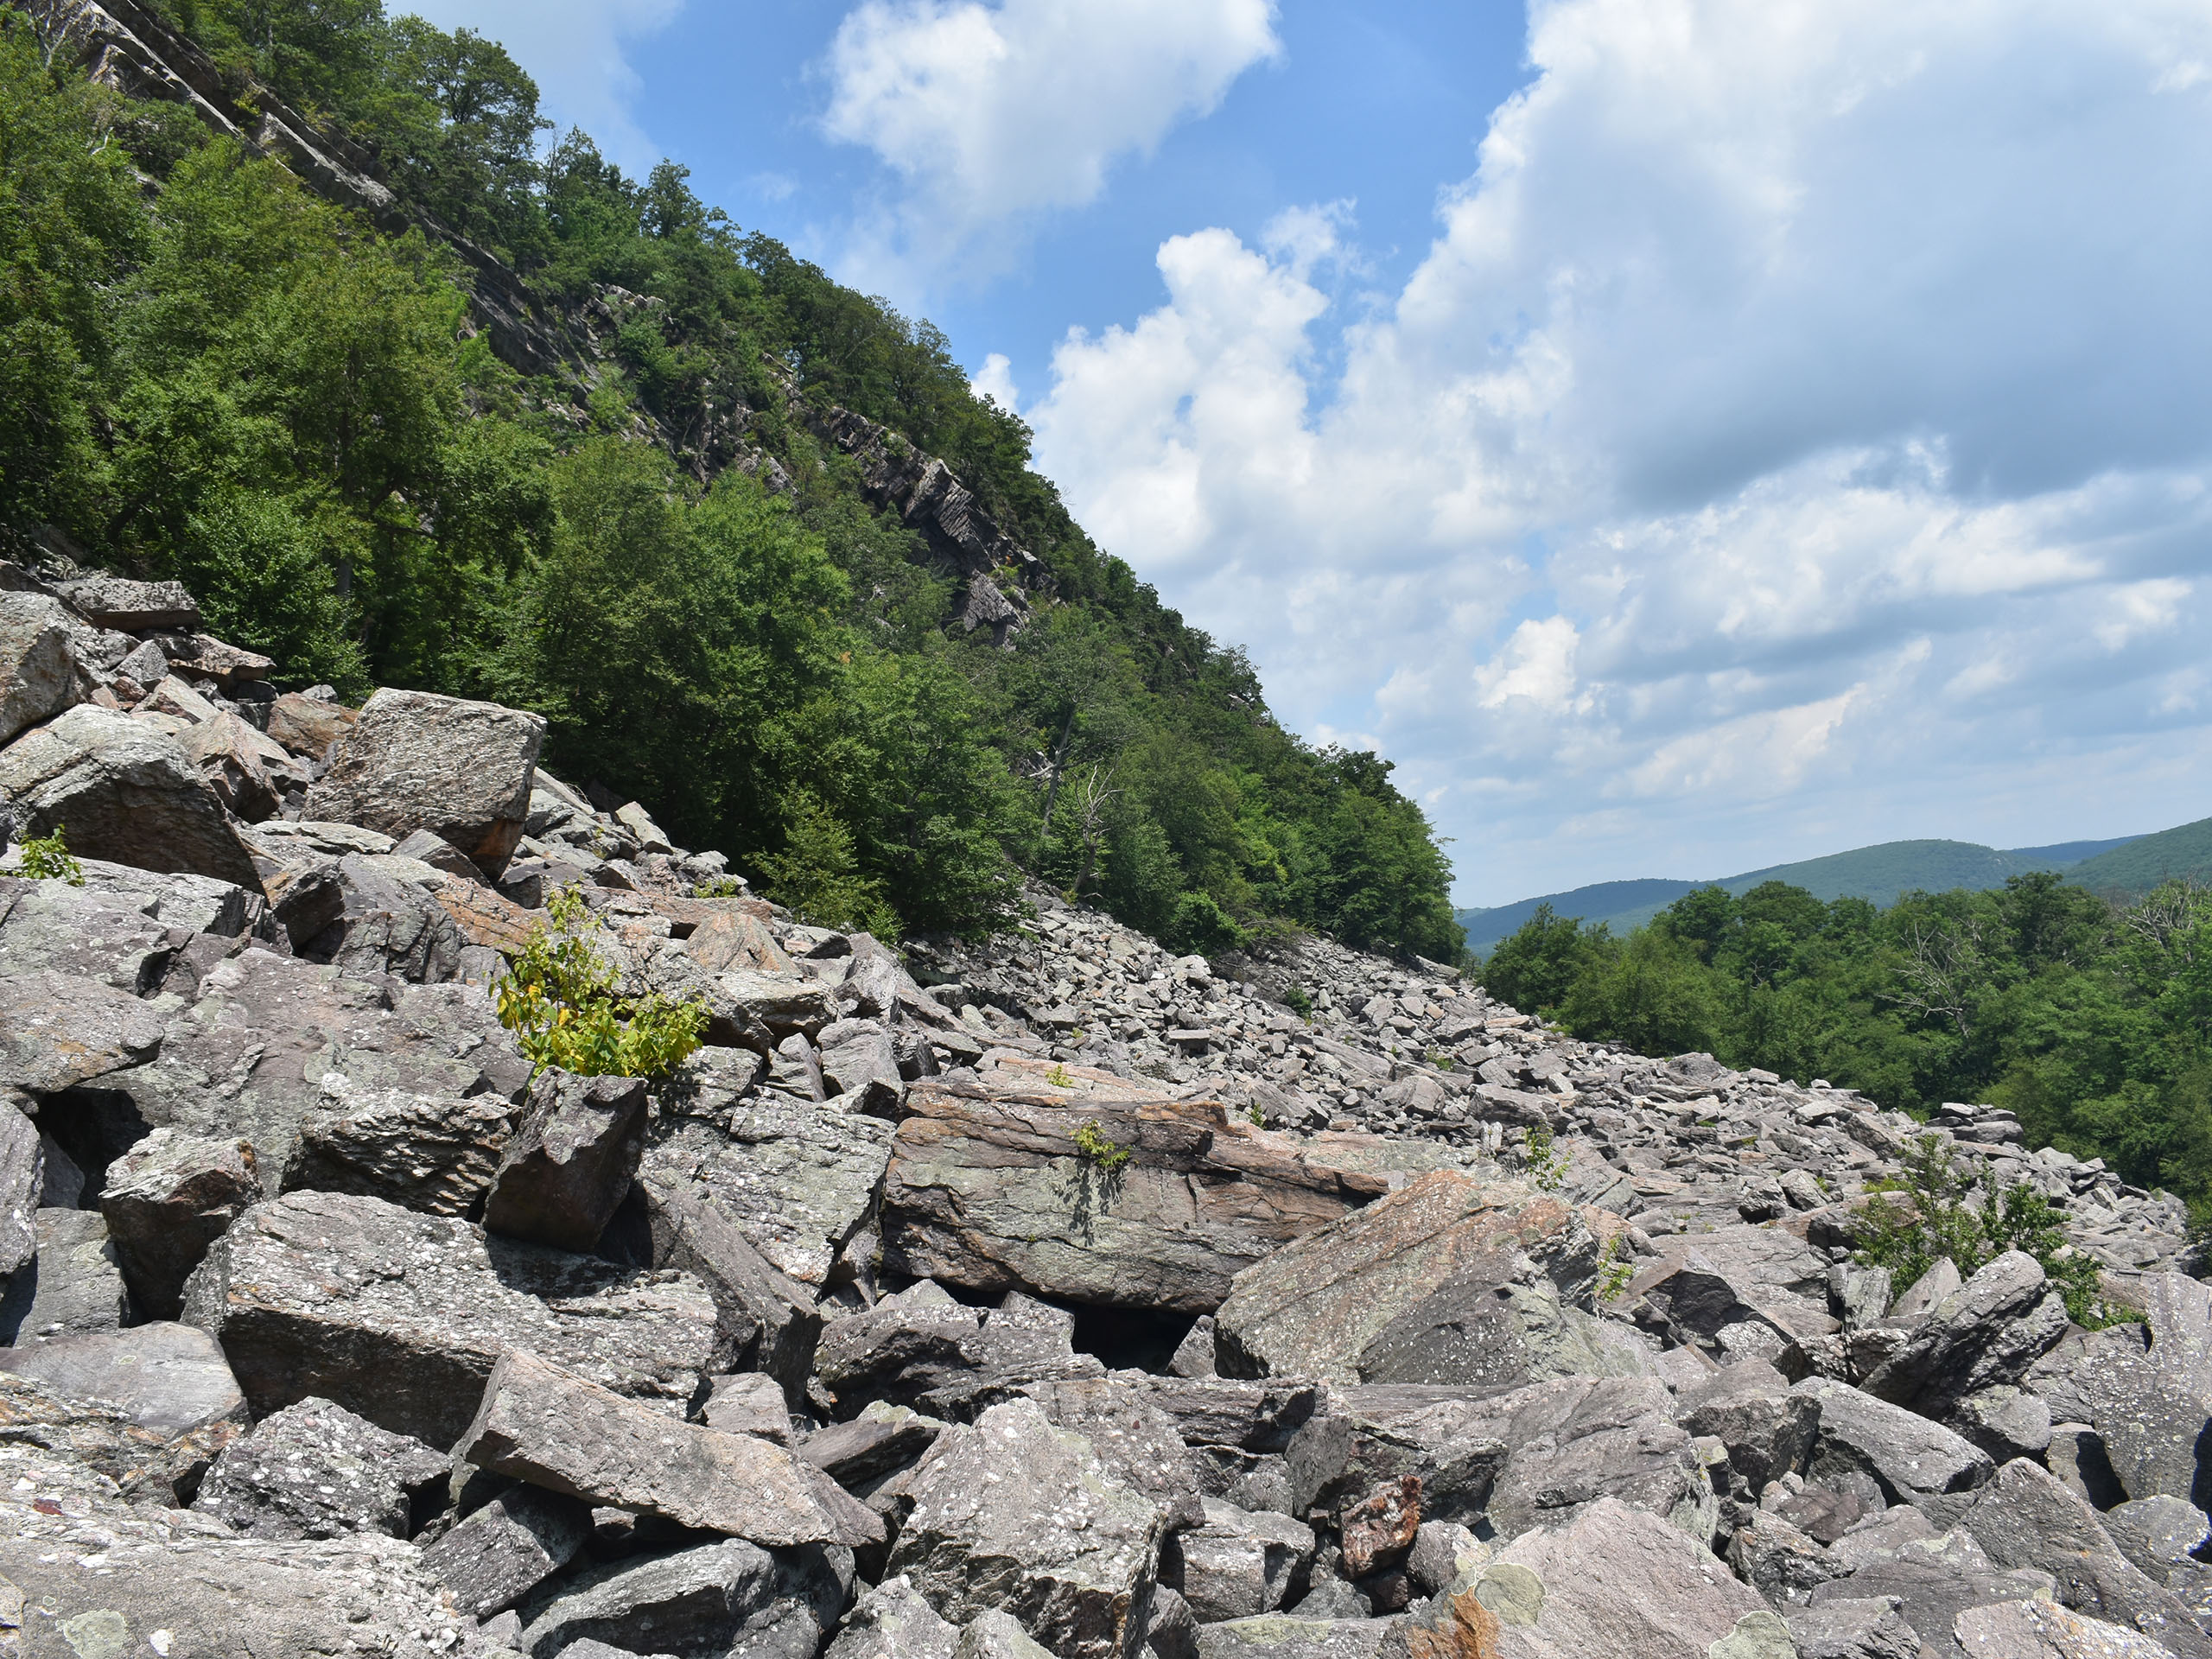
[[1057, 1296]]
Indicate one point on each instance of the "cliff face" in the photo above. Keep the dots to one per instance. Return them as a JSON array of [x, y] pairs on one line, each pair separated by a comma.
[[122, 45]]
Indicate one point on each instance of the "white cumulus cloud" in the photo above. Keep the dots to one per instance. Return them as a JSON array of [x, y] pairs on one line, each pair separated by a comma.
[[989, 112], [1792, 438]]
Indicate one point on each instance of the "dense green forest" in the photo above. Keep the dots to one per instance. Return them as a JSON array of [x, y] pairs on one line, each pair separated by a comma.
[[208, 372], [2091, 1020]]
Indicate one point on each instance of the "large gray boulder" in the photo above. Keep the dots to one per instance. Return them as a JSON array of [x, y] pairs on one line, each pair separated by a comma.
[[1485, 1283], [401, 1317], [1915, 1461], [2151, 1404], [1749, 1407], [166, 1200], [568, 1163], [436, 1152], [1933, 1579], [800, 1179], [273, 1039], [1985, 1333], [2026, 1518], [127, 792], [416, 760], [539, 1424], [97, 1575], [385, 922], [1615, 1581], [492, 1557], [701, 1602], [169, 1378], [57, 1031], [111, 602], [1011, 1514], [316, 1471], [39, 675]]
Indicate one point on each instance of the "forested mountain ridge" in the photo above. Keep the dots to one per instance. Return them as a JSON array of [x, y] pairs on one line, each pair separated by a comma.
[[298, 309]]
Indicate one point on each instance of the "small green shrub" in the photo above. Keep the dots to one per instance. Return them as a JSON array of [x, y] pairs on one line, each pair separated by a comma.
[[817, 876], [1615, 1269], [1299, 1001], [46, 858], [558, 999], [1952, 1212], [1090, 1140], [1058, 1077], [1544, 1160], [722, 886]]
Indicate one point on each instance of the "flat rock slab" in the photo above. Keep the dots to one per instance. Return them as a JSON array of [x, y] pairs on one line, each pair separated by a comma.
[[990, 1188], [539, 1424], [97, 1576], [800, 1177], [169, 1378], [1011, 1515], [401, 1317], [1282, 1635], [416, 760]]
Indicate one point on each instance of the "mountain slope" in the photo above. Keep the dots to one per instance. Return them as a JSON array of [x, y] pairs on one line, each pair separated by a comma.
[[2139, 865], [1879, 874], [317, 329]]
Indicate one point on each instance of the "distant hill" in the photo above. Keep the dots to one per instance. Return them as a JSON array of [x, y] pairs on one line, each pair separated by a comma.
[[1880, 874], [2140, 864]]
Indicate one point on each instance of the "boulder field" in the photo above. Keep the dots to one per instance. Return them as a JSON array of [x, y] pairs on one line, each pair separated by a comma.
[[1049, 1295]]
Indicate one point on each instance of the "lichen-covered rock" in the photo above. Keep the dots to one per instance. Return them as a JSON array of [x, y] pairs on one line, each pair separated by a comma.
[[316, 1471], [800, 1179], [894, 1621], [126, 791], [166, 1201], [39, 675], [494, 1557], [401, 1318], [1915, 1461], [701, 1602], [57, 1031], [96, 1575], [73, 1285], [434, 1153], [1010, 1513]]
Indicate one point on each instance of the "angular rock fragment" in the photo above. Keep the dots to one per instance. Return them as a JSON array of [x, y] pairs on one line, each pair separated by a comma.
[[39, 675], [308, 726], [568, 1162], [1617, 1581], [491, 1559], [2025, 1518], [401, 1317], [689, 1603], [991, 1189], [996, 1636], [1277, 1635], [240, 764], [1011, 1513], [132, 607], [1135, 1439], [316, 1471], [74, 1287], [2150, 1405], [166, 1200], [2036, 1629], [1986, 1333], [127, 792], [882, 1439], [1455, 1280], [169, 1378], [1237, 1565], [542, 1425], [1749, 1407], [920, 1347], [1934, 1579], [416, 760], [894, 1621], [1871, 1627], [57, 1031], [763, 1320], [1913, 1460], [22, 1182], [752, 1403], [437, 1154], [800, 1179]]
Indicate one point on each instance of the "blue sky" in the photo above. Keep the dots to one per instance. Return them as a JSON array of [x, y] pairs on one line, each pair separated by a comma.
[[1684, 435]]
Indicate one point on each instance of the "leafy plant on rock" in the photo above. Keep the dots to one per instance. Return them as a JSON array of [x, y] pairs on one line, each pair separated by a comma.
[[46, 858], [558, 998]]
